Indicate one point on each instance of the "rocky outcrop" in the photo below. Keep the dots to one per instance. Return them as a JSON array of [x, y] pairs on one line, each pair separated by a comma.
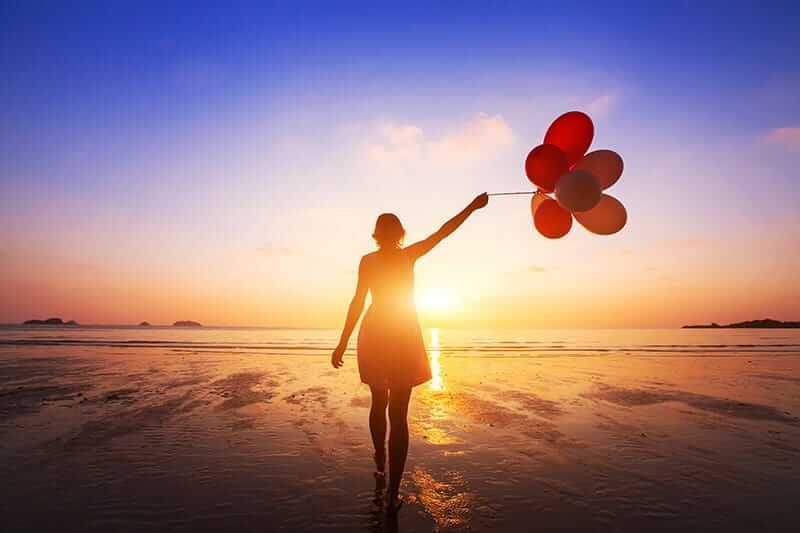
[[50, 322], [766, 323]]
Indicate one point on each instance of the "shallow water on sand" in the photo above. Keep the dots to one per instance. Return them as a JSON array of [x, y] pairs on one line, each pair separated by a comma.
[[127, 429]]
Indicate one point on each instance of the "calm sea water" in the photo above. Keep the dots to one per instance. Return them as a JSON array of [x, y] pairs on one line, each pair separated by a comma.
[[452, 343]]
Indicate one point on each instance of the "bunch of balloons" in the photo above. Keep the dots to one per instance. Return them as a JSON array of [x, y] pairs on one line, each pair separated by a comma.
[[559, 165]]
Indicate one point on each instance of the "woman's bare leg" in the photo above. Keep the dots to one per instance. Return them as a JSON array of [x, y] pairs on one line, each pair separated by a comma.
[[377, 425], [398, 437]]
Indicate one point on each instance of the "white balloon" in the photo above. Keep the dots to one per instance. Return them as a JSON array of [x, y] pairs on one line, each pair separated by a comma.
[[578, 191]]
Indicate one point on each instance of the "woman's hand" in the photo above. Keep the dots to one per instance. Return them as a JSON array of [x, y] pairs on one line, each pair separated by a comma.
[[337, 356], [480, 201]]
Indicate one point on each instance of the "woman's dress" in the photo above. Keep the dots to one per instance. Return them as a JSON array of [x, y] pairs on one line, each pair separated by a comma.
[[391, 352]]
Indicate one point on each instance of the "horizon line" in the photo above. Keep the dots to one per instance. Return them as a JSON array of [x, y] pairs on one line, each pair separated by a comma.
[[322, 328]]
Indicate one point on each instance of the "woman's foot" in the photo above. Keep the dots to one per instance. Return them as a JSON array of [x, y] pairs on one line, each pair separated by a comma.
[[380, 488], [380, 463], [393, 501]]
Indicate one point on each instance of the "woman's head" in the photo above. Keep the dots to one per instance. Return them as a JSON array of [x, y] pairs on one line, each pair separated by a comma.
[[389, 232]]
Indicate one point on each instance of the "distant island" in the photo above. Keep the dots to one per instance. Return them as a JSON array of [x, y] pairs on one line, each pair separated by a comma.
[[59, 322], [766, 323], [50, 322], [187, 324]]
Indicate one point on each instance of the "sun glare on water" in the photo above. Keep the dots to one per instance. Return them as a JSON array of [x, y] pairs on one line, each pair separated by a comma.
[[434, 352], [436, 303]]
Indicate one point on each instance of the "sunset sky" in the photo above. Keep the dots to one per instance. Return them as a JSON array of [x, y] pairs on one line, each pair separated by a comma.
[[226, 164]]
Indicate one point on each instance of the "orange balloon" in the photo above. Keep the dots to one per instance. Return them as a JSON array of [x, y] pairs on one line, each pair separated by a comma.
[[573, 133], [544, 165], [536, 201], [606, 218], [552, 220]]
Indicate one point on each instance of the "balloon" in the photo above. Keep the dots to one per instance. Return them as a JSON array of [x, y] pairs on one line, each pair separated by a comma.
[[578, 191], [536, 201], [552, 220], [606, 218], [605, 165], [573, 133], [544, 165]]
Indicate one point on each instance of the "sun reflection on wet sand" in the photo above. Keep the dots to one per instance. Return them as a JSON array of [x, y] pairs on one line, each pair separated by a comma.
[[447, 501], [435, 421], [435, 353]]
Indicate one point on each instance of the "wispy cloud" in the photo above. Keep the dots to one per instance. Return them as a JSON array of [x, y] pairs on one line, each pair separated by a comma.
[[274, 250], [482, 137], [788, 137], [684, 244], [395, 142], [603, 104]]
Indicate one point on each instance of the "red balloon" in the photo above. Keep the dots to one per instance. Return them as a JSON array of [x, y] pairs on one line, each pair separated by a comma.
[[544, 165], [573, 133], [552, 220]]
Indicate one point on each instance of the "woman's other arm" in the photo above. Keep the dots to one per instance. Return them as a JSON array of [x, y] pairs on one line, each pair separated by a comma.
[[353, 314]]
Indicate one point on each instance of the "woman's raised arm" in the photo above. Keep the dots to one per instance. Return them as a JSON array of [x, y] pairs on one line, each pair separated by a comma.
[[418, 249]]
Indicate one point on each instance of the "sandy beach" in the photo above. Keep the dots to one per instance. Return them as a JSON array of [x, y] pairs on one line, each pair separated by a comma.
[[126, 431]]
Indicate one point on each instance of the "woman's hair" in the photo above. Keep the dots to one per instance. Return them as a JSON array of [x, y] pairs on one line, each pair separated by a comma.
[[389, 232]]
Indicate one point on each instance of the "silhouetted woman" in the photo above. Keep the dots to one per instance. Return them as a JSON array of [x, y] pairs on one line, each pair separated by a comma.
[[391, 352]]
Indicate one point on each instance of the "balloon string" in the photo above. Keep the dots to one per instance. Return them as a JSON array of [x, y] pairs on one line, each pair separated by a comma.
[[510, 193]]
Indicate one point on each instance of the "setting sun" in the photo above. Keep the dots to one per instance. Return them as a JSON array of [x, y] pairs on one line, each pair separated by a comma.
[[436, 300]]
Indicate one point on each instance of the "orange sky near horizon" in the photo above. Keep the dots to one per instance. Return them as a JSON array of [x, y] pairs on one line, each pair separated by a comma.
[[518, 281], [237, 181]]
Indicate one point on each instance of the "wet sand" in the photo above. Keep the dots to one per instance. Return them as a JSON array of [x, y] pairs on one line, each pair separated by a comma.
[[112, 439]]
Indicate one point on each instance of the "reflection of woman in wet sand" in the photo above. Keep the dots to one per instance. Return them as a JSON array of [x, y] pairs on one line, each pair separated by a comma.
[[391, 352]]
